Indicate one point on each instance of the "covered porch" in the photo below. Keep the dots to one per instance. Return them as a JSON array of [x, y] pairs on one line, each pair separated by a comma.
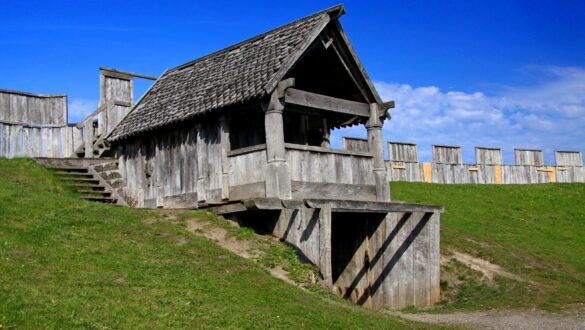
[[290, 156]]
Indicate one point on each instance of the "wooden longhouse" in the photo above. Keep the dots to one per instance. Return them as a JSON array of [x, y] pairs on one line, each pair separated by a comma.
[[246, 130]]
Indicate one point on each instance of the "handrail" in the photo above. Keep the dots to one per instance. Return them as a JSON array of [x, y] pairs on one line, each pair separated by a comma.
[[102, 108]]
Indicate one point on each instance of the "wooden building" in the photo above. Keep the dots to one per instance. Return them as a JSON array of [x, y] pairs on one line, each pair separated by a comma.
[[245, 130]]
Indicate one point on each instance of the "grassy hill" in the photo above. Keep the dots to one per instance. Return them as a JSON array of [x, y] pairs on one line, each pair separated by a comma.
[[67, 263], [534, 231]]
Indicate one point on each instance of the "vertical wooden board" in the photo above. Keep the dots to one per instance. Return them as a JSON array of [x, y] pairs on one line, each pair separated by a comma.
[[67, 142], [33, 115], [27, 142], [19, 109], [62, 115], [5, 108], [388, 269], [421, 266], [304, 163], [1, 135], [324, 234], [15, 140], [404, 266], [378, 261], [35, 142], [5, 141], [368, 170], [294, 161], [178, 164], [343, 172], [88, 135], [76, 139], [579, 174], [434, 261], [102, 120], [56, 142]]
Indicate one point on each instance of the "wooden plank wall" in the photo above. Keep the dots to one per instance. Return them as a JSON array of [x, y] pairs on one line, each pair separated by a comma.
[[31, 141], [489, 167], [568, 158], [529, 157], [488, 156], [311, 166], [402, 152], [355, 144], [163, 171], [446, 154], [117, 93], [33, 109]]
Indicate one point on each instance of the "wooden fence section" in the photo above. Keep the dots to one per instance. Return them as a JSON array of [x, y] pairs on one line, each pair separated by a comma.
[[568, 158], [529, 157], [488, 156], [402, 152], [35, 125], [355, 144], [20, 108], [39, 141], [447, 167], [447, 155]]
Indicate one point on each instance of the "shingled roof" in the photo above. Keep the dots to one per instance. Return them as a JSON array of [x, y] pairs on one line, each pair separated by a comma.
[[244, 71]]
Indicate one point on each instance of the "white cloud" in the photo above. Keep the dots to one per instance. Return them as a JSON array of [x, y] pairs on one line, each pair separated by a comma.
[[81, 108], [550, 114]]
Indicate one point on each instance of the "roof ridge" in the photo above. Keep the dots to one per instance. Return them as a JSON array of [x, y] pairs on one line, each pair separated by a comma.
[[339, 8]]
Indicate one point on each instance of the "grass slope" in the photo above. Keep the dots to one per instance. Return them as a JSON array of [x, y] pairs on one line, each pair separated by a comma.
[[535, 231], [67, 263]]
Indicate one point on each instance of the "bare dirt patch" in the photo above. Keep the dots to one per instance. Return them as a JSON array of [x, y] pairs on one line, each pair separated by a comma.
[[243, 248], [488, 269]]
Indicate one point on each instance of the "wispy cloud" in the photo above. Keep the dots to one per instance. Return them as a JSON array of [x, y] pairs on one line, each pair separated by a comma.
[[81, 108], [549, 114]]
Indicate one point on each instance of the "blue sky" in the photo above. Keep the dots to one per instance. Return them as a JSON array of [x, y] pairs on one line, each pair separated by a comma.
[[493, 73]]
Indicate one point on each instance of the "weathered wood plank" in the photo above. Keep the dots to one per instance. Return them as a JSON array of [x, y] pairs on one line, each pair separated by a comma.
[[323, 102]]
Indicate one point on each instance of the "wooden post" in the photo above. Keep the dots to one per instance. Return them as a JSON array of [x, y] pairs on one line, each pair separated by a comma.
[[326, 143], [225, 147], [278, 176], [201, 165], [376, 142], [88, 138]]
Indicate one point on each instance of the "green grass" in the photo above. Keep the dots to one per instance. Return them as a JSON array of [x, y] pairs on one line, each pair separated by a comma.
[[67, 263], [535, 231]]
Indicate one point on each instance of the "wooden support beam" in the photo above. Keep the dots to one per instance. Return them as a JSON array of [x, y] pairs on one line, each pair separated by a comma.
[[373, 207], [124, 74], [328, 103]]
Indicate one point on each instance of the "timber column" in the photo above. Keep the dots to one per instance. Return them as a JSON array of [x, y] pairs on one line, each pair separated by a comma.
[[376, 145], [278, 177]]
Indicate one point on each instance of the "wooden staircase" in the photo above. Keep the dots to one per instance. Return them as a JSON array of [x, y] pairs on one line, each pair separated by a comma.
[[89, 183]]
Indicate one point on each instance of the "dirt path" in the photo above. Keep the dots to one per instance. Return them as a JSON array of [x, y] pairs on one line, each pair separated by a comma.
[[528, 319]]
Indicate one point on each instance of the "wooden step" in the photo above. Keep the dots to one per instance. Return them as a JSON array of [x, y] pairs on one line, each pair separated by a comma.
[[96, 192], [81, 179], [74, 174], [99, 198]]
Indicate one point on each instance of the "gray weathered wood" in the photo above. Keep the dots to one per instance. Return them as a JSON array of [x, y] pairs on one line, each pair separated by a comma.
[[328, 103]]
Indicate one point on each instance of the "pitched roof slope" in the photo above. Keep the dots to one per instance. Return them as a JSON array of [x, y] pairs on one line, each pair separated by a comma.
[[235, 74]]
